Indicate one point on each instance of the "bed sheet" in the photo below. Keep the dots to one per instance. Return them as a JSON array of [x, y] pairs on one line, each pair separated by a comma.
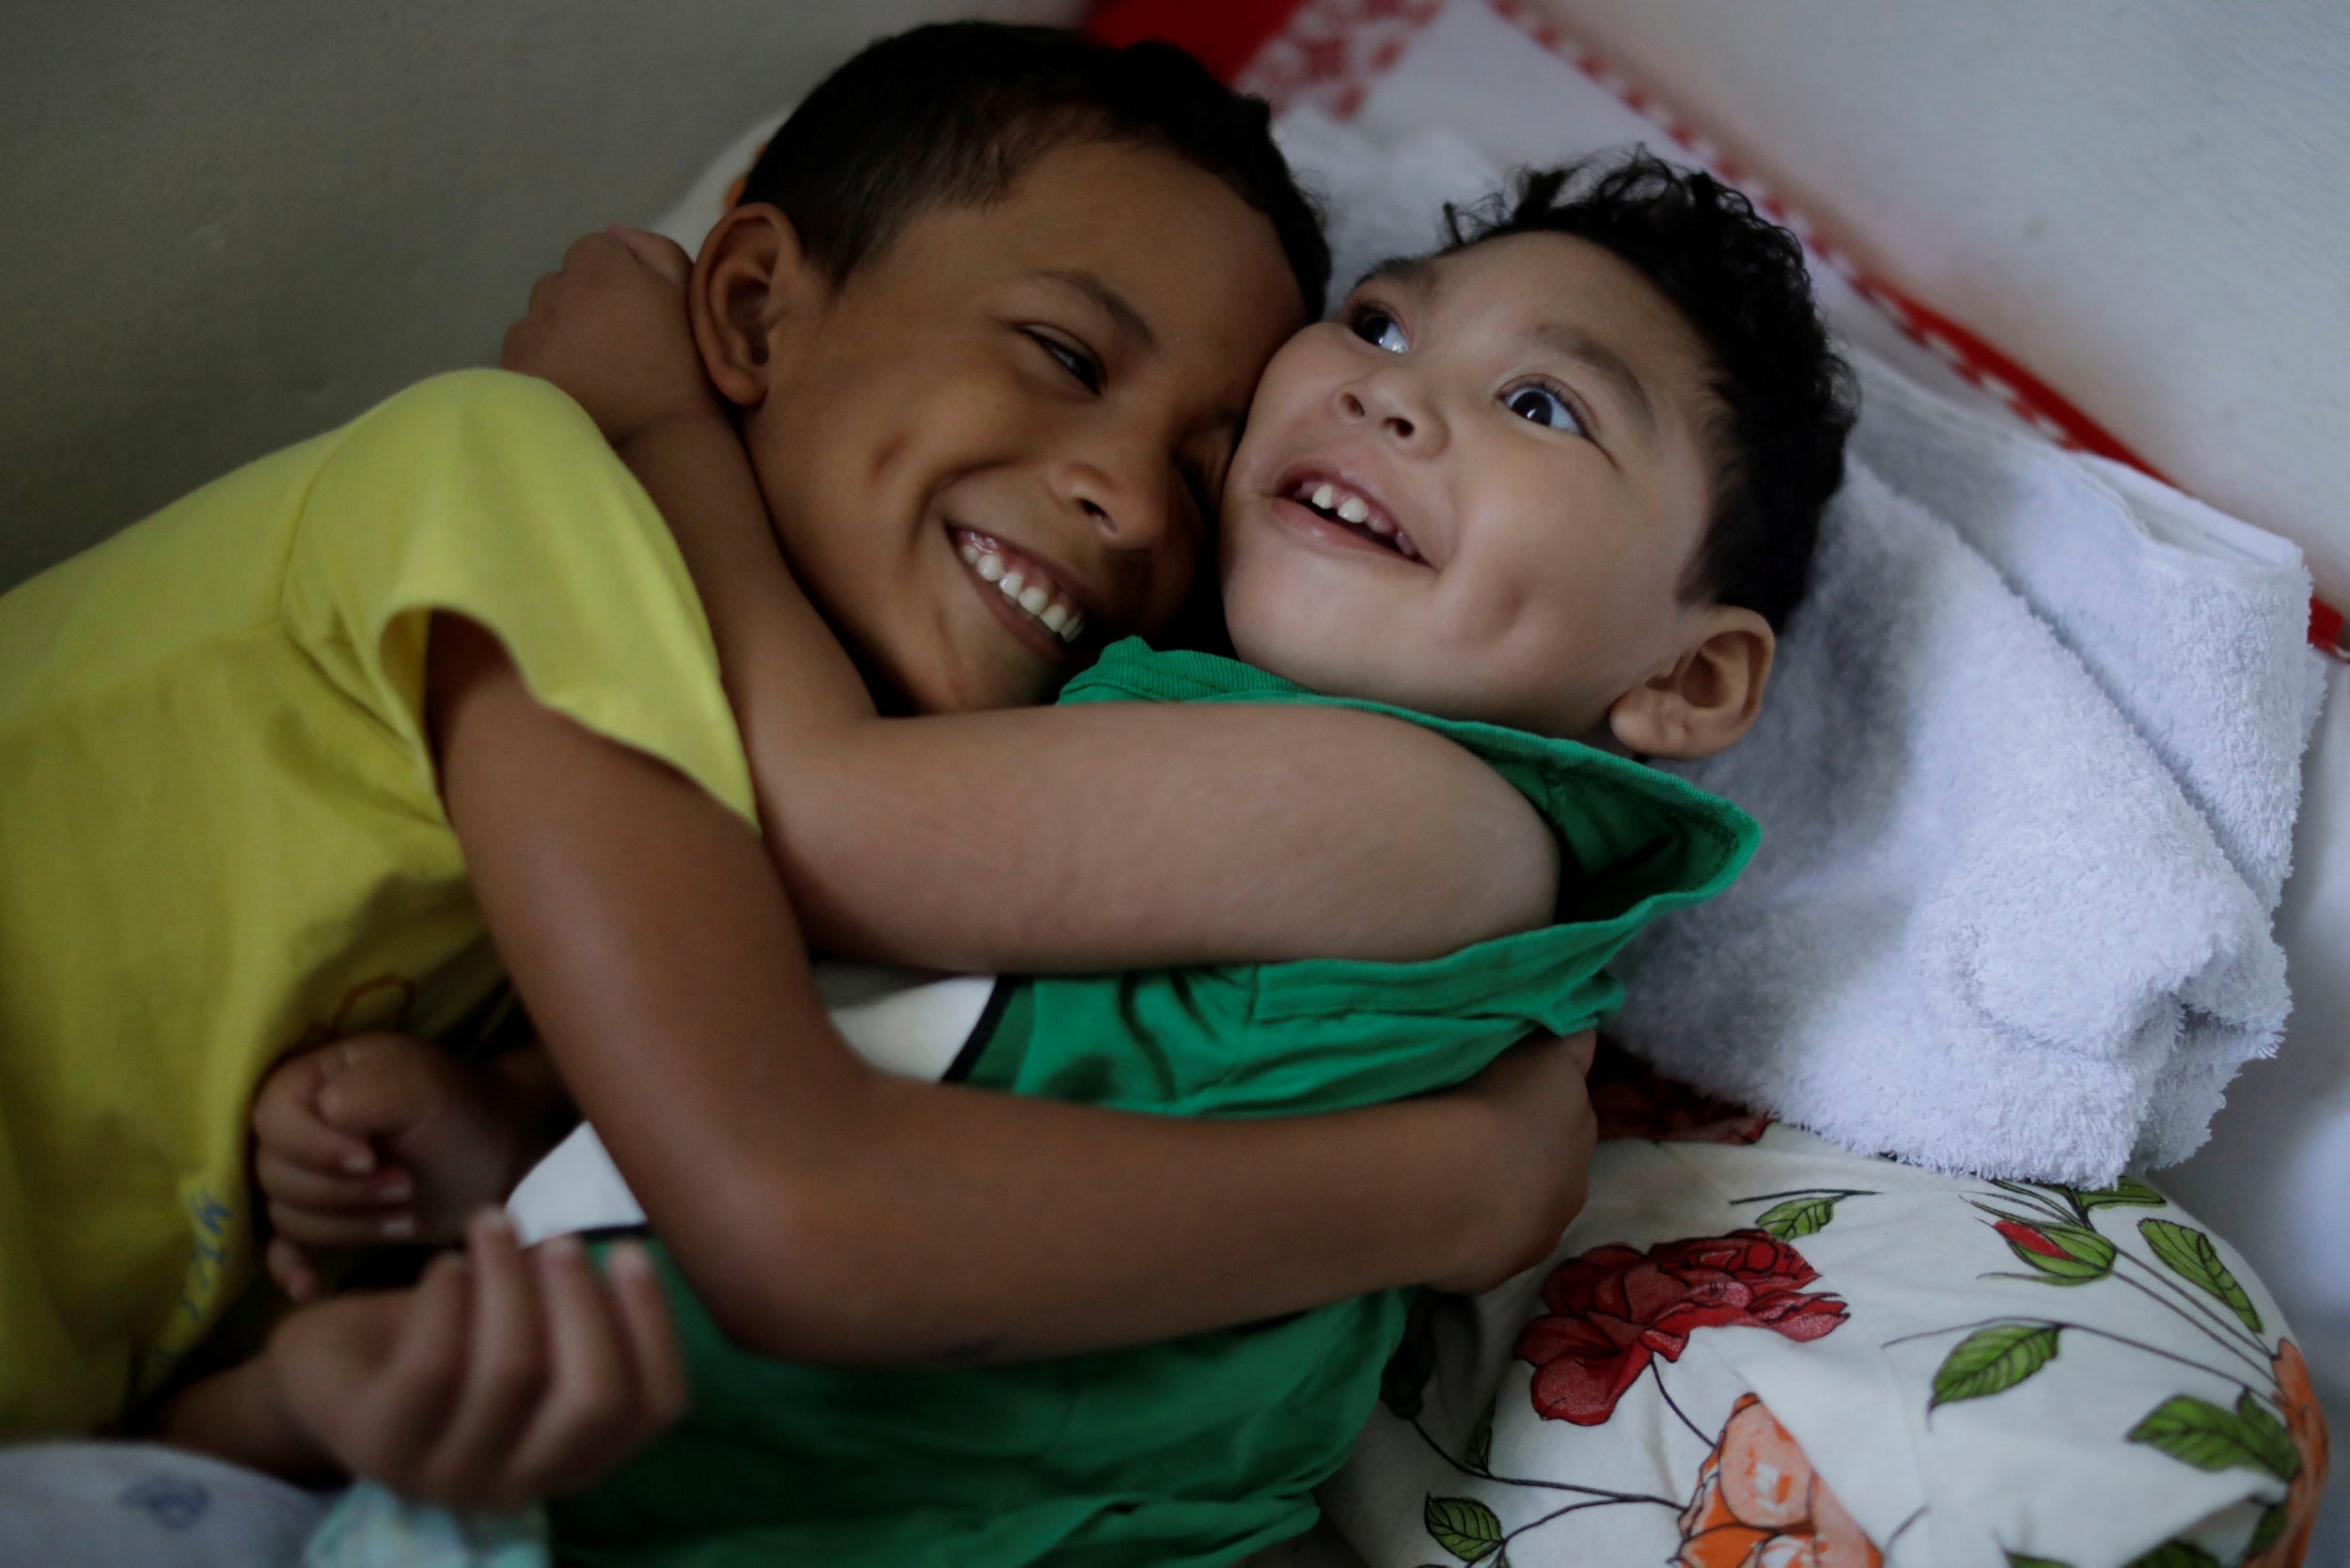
[[1754, 1347]]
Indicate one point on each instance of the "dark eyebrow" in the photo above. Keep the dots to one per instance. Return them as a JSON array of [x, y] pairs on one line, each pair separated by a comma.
[[1603, 362], [1114, 305], [1416, 273]]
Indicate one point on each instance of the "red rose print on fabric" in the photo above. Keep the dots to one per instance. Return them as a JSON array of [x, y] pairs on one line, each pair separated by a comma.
[[1614, 1310], [1633, 1100]]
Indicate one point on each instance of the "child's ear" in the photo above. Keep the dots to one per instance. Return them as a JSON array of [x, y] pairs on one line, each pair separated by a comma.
[[750, 282], [1707, 697]]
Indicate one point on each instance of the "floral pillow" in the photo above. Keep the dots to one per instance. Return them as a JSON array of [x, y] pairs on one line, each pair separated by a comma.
[[1756, 1350]]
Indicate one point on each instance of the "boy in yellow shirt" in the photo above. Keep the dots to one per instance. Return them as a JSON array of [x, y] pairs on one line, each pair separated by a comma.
[[343, 738]]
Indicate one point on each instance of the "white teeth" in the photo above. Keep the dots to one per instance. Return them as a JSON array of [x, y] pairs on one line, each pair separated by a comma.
[[1352, 509], [1325, 497], [1036, 597]]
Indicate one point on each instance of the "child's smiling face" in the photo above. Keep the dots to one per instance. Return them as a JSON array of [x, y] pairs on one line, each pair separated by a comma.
[[1477, 491], [1049, 386]]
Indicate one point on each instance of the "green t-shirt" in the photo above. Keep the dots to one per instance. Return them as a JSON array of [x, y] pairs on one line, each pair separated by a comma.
[[1200, 1449]]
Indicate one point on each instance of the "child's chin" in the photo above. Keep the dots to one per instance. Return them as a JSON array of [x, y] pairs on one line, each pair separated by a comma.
[[1273, 644]]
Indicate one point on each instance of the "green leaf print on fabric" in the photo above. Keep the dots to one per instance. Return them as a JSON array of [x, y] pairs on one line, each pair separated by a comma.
[[1481, 1447], [1464, 1526], [2058, 1254], [2175, 1554], [2193, 1258], [1806, 1212], [1992, 1360], [2274, 1431], [1798, 1216], [2270, 1529], [2268, 1434], [2129, 1192], [2200, 1434]]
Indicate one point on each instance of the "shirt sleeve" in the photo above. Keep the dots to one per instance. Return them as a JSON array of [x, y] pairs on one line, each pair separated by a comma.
[[493, 497], [1325, 1034]]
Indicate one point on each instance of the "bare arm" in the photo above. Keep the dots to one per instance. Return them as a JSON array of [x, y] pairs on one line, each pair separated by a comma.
[[1106, 835], [1140, 834], [827, 1212], [1127, 837]]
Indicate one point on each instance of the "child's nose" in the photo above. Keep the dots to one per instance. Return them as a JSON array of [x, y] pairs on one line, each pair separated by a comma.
[[1127, 509], [1391, 403], [1398, 425]]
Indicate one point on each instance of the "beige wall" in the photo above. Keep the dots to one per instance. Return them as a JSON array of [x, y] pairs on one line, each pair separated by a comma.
[[225, 225], [2141, 199]]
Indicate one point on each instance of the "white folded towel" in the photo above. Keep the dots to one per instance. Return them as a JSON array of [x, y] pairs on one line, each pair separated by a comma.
[[2027, 778], [1987, 930], [2193, 623]]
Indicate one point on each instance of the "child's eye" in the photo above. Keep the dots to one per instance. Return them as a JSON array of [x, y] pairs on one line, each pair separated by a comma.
[[1377, 328], [1544, 407], [1082, 366]]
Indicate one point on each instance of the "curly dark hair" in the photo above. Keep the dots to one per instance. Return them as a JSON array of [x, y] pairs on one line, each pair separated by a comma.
[[956, 112], [1784, 399]]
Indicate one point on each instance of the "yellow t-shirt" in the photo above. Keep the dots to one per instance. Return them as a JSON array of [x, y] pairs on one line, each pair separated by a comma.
[[221, 837]]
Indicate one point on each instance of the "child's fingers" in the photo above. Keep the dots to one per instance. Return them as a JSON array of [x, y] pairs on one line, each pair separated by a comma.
[[329, 1212], [658, 252], [289, 1266], [304, 1187], [285, 1119], [506, 1365], [585, 253], [601, 253], [375, 1084], [649, 1332], [587, 1417], [333, 1232], [423, 1377]]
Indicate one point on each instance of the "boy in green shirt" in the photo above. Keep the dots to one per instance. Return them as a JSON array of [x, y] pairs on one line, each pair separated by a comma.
[[1560, 481]]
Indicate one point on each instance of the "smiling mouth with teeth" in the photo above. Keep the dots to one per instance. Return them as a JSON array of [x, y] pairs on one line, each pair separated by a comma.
[[1343, 507], [1031, 592]]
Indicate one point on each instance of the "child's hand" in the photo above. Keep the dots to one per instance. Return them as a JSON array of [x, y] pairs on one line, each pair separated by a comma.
[[1537, 1152], [382, 1138], [499, 1379], [611, 330]]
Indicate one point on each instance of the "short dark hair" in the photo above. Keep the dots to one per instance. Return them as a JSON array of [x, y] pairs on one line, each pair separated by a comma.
[[956, 112], [1784, 399]]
